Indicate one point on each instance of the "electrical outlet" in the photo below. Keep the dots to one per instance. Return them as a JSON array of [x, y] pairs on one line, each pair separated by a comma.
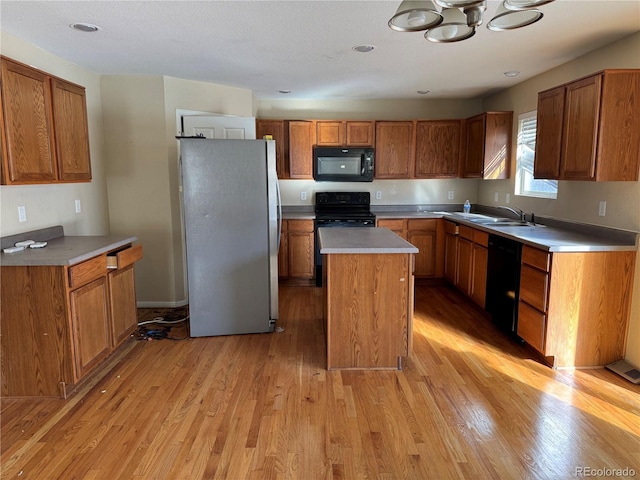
[[78, 206], [22, 213], [602, 208], [450, 195], [378, 194], [496, 197], [303, 195], [507, 198]]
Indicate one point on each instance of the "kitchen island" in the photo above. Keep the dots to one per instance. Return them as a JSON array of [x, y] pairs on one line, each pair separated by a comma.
[[368, 297]]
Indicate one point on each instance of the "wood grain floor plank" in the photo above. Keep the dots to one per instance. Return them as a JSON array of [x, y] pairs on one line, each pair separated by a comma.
[[469, 403]]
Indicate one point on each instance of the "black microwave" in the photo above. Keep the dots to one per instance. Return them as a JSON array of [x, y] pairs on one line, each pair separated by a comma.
[[342, 164]]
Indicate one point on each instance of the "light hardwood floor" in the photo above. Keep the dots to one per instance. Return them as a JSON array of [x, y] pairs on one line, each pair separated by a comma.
[[469, 403]]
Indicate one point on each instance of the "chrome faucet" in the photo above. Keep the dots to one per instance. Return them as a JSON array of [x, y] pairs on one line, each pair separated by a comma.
[[520, 213]]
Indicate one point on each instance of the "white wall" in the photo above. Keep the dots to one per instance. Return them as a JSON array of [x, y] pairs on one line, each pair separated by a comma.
[[578, 200], [49, 205]]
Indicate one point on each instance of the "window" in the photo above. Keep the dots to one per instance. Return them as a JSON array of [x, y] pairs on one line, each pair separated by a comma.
[[526, 185]]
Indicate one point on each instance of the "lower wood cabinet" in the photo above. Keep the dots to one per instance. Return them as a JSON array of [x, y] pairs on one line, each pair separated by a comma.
[[574, 306], [297, 249], [60, 322], [427, 234], [466, 258]]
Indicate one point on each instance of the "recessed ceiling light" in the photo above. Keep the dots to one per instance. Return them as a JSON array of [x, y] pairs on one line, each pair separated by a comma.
[[423, 92], [284, 91], [363, 48], [85, 27], [512, 73]]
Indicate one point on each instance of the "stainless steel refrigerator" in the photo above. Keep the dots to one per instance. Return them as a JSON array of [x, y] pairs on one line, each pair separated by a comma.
[[230, 206]]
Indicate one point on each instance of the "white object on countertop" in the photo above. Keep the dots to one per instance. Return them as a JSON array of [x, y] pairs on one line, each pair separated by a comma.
[[13, 249], [38, 245], [24, 243]]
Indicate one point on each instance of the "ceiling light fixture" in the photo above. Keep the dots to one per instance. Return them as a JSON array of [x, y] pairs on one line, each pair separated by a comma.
[[512, 73], [284, 92], [447, 21], [423, 92], [85, 27]]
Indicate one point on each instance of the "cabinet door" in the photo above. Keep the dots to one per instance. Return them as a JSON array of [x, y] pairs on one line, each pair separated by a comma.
[[438, 148], [396, 225], [582, 110], [450, 257], [360, 134], [465, 257], [283, 252], [394, 149], [122, 299], [479, 277], [532, 326], [91, 326], [425, 259], [301, 254], [473, 165], [29, 145], [301, 140], [549, 133], [71, 131], [275, 128], [330, 134]]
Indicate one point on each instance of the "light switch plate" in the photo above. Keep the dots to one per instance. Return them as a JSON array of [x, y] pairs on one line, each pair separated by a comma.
[[496, 197], [507, 198], [22, 213], [602, 208], [78, 206]]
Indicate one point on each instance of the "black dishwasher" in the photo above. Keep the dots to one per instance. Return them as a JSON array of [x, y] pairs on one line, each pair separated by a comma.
[[503, 282]]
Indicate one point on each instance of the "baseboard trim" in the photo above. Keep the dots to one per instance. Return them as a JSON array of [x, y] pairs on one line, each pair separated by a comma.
[[179, 303]]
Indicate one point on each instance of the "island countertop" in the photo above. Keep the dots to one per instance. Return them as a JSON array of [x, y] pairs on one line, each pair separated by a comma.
[[362, 241]]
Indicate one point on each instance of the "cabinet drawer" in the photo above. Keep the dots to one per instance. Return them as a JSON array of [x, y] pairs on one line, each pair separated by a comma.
[[392, 224], [451, 228], [300, 225], [481, 238], [466, 232], [125, 257], [536, 258], [534, 286], [428, 224], [85, 272], [532, 326]]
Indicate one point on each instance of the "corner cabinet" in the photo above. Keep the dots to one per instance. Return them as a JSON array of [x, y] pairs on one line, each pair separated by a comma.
[[569, 309], [589, 129], [439, 148], [44, 127], [488, 153], [60, 322]]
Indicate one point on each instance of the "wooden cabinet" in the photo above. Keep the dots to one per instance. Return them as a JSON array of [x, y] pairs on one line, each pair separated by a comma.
[[302, 137], [60, 322], [394, 149], [297, 249], [338, 133], [276, 129], [426, 234], [439, 148], [488, 146], [589, 129], [45, 131], [466, 260], [574, 307]]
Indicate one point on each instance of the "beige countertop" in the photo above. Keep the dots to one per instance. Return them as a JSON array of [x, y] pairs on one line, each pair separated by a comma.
[[362, 241]]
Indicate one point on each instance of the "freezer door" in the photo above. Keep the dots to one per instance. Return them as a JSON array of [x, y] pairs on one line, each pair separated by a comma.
[[227, 234]]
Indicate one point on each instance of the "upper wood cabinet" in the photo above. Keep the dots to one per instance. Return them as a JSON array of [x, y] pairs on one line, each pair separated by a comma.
[[276, 129], [44, 127], [438, 148], [339, 133], [488, 146], [394, 149], [589, 129], [302, 137]]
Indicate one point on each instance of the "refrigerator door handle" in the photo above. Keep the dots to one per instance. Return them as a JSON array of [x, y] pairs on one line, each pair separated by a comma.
[[279, 212]]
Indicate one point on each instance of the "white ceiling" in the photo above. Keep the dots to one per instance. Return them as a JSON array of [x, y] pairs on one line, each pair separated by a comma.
[[306, 46]]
